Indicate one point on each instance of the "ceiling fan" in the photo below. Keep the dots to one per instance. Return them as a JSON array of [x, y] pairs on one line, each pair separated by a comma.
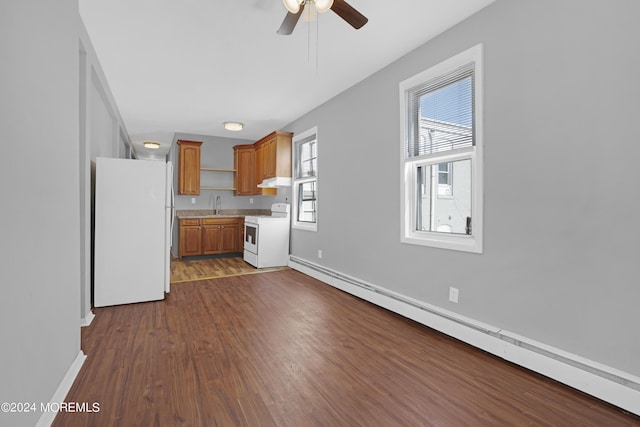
[[343, 9]]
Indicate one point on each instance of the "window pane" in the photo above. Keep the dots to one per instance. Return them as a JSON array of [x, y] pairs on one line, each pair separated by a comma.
[[444, 208], [307, 201], [449, 104], [306, 159], [442, 114]]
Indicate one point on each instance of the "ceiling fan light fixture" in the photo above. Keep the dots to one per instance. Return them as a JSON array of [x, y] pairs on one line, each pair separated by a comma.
[[323, 5], [292, 6], [151, 145], [233, 126]]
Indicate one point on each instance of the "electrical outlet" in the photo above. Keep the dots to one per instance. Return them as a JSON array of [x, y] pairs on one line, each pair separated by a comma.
[[453, 294], [320, 253], [193, 200], [251, 201]]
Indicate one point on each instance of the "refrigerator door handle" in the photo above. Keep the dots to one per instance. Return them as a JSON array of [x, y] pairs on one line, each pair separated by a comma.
[[173, 206]]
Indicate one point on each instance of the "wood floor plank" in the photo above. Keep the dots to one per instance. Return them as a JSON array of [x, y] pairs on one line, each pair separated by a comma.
[[282, 349]]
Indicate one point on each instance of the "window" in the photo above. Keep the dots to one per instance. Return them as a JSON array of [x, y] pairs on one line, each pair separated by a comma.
[[445, 188], [441, 162], [305, 180]]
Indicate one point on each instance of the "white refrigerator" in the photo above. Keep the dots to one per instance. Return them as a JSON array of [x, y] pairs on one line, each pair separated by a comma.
[[133, 227]]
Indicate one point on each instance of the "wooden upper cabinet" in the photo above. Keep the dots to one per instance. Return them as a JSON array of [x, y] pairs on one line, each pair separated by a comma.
[[259, 165], [244, 164], [189, 167], [269, 159], [248, 166], [276, 156]]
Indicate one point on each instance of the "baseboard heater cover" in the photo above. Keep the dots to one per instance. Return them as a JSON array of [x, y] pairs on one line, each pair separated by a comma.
[[609, 384]]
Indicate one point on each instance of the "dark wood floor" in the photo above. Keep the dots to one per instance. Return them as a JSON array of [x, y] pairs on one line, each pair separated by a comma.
[[282, 349]]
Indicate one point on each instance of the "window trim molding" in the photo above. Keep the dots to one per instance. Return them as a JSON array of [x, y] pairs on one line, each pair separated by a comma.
[[295, 224], [408, 235]]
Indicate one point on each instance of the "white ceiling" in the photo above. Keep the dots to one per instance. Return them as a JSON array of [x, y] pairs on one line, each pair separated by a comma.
[[189, 65]]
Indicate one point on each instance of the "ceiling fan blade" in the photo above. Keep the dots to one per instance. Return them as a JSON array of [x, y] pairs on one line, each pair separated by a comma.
[[290, 22], [345, 11]]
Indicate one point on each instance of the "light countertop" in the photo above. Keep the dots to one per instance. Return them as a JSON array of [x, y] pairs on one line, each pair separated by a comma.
[[224, 213]]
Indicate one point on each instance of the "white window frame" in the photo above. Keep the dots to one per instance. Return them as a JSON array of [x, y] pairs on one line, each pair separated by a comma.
[[303, 225], [409, 165]]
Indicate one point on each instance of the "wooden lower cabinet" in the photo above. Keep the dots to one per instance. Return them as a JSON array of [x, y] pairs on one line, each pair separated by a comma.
[[208, 236], [190, 237], [219, 236]]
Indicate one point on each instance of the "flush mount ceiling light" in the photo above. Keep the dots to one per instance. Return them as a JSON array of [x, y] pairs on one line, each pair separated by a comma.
[[233, 126], [151, 145]]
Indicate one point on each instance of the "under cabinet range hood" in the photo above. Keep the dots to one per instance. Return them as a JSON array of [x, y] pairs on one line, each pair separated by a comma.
[[278, 181]]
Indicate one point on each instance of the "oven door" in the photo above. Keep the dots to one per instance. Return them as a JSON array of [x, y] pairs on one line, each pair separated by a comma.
[[251, 237], [250, 254]]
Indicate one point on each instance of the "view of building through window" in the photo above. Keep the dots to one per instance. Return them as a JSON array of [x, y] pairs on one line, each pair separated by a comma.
[[445, 118]]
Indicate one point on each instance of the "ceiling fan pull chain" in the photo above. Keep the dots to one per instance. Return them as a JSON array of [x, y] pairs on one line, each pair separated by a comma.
[[317, 41]]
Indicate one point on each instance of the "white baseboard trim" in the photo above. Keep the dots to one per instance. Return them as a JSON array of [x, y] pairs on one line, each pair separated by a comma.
[[606, 383], [86, 320], [46, 419]]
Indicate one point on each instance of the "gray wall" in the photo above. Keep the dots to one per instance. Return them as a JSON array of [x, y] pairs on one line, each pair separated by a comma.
[[560, 265], [39, 272]]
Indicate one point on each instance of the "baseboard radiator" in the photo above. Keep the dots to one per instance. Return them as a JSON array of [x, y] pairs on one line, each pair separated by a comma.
[[609, 384]]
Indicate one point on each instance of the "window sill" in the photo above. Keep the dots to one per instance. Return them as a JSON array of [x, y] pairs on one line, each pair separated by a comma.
[[453, 242], [304, 226]]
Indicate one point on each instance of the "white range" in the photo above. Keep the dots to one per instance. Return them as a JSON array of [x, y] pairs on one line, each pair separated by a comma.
[[266, 237]]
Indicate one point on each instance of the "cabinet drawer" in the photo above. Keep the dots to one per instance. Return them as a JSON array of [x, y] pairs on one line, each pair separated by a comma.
[[219, 221], [189, 222]]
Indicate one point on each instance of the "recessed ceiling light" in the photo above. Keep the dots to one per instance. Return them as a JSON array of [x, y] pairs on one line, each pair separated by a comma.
[[151, 145], [233, 126]]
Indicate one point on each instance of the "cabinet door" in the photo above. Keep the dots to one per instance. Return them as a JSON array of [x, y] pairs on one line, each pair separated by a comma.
[[259, 164], [189, 167], [245, 164], [190, 240], [229, 238], [210, 239], [259, 172], [269, 158]]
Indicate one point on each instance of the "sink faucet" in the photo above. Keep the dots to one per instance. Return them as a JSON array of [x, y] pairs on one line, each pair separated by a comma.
[[218, 205]]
